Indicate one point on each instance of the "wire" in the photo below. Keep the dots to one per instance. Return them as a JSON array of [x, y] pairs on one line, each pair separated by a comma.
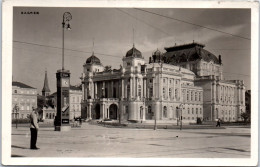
[[212, 29], [148, 24], [64, 48]]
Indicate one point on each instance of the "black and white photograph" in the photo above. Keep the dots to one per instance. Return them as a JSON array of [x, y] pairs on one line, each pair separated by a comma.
[[130, 83]]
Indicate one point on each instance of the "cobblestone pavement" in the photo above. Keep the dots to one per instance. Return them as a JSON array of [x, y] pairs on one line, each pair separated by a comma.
[[98, 141]]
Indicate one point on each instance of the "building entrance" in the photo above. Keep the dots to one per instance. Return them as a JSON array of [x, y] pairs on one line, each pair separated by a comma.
[[113, 111], [97, 112]]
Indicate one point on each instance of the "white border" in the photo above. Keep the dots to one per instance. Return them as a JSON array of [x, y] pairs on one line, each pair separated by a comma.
[[7, 16]]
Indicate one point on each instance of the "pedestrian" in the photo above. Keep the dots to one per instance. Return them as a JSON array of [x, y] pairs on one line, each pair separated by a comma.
[[34, 127], [218, 123], [80, 121]]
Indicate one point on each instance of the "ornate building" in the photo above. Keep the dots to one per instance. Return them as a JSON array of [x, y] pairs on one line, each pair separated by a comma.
[[185, 81]]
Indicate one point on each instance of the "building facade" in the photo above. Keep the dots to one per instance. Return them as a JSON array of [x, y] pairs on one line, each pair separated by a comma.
[[24, 97], [224, 99], [184, 82]]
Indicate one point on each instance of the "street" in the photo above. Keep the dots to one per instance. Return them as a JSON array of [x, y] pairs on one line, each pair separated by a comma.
[[98, 141]]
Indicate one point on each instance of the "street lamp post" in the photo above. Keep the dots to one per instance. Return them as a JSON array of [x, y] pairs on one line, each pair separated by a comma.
[[16, 110], [65, 24]]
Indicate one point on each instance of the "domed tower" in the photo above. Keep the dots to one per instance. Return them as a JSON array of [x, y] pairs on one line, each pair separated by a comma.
[[133, 58], [93, 64], [157, 56]]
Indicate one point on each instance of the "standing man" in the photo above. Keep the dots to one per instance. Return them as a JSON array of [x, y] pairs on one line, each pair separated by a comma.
[[34, 127]]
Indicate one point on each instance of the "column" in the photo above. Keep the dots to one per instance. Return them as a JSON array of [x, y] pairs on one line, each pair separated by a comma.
[[92, 90], [103, 89], [125, 88], [122, 88], [95, 89], [167, 91], [112, 88], [173, 91], [131, 87], [134, 86], [144, 87], [90, 111]]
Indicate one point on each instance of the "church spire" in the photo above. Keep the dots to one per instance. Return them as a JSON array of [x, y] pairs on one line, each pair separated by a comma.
[[46, 90]]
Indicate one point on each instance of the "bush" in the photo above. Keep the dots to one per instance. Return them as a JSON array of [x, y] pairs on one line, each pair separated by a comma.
[[21, 120]]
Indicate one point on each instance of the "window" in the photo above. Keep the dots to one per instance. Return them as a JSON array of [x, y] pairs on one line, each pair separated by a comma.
[[128, 64], [188, 95], [195, 96], [170, 81], [164, 93], [170, 92], [151, 80], [151, 91], [199, 97], [191, 95], [192, 111], [163, 80], [200, 111], [77, 99], [15, 91], [47, 115], [196, 110], [188, 111], [149, 110], [176, 93], [139, 90], [73, 99]]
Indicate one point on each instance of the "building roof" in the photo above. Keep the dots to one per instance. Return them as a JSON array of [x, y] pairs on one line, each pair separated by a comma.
[[134, 53], [189, 52], [93, 60], [46, 85], [21, 85]]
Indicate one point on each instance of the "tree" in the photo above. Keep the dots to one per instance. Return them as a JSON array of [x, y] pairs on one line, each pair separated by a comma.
[[245, 116]]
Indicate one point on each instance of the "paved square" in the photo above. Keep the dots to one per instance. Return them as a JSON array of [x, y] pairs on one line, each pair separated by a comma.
[[98, 141]]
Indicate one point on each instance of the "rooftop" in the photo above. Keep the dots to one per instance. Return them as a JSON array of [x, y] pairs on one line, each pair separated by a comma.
[[21, 85]]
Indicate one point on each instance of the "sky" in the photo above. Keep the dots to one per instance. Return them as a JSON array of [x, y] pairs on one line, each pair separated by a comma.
[[37, 38]]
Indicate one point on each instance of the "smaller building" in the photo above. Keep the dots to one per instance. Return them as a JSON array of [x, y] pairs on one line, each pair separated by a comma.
[[49, 113], [24, 97]]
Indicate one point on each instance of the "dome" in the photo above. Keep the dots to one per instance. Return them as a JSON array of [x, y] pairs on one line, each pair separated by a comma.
[[157, 53], [93, 60], [134, 53]]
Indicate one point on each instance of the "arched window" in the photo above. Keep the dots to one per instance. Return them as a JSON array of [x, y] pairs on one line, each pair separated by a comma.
[[165, 112], [47, 115]]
